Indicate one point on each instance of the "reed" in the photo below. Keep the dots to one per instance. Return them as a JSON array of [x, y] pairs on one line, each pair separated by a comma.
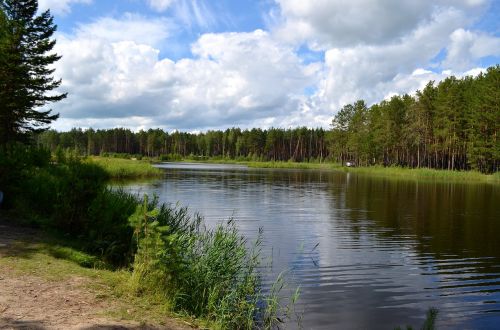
[[425, 174], [392, 172], [205, 273], [121, 168]]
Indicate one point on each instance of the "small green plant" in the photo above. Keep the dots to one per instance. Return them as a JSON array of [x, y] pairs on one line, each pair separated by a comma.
[[429, 323]]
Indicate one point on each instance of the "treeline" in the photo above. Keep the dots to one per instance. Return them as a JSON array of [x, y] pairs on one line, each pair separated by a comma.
[[299, 144], [452, 125]]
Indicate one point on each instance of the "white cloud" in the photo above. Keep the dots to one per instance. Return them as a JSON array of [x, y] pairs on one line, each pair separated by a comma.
[[116, 76], [466, 47], [338, 23], [191, 13], [130, 27], [60, 7], [160, 5], [374, 50], [371, 72], [233, 78]]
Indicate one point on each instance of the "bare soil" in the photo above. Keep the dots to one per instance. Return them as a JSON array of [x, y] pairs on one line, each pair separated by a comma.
[[29, 301]]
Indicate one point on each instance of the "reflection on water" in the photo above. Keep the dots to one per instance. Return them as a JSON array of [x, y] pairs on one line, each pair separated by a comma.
[[388, 249]]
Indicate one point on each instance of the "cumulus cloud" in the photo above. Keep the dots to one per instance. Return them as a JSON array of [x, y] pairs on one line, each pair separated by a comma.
[[116, 75], [60, 7], [374, 50], [467, 46], [370, 71], [232, 78], [337, 23]]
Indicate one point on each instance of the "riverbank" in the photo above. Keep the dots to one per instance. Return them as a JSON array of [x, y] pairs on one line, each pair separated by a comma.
[[121, 168], [43, 285], [390, 172], [161, 255]]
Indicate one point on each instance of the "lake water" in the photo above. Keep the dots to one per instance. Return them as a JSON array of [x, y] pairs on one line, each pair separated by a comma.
[[367, 252]]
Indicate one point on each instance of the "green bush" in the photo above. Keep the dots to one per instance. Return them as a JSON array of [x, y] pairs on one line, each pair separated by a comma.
[[15, 161], [108, 230], [171, 158], [61, 194]]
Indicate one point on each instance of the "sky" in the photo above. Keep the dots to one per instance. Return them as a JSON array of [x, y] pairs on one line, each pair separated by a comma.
[[195, 65]]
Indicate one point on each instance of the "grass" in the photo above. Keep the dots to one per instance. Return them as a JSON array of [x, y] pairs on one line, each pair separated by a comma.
[[392, 172], [174, 261], [207, 273], [53, 262], [120, 168], [426, 174], [180, 268]]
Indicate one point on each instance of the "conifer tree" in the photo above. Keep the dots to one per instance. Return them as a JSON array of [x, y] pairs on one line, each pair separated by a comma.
[[26, 74]]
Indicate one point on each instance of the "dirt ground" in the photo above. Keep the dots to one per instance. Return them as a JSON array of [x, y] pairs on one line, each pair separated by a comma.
[[32, 302]]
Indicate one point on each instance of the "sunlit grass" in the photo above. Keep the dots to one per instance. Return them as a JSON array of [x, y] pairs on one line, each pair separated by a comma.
[[121, 168], [425, 174], [393, 172], [55, 263]]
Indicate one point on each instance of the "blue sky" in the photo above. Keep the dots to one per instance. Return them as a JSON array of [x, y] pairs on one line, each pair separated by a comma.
[[198, 64]]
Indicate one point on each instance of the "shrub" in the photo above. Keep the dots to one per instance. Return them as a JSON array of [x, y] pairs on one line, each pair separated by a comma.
[[108, 231]]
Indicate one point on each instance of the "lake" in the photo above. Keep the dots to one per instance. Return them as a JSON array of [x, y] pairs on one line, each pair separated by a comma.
[[367, 252]]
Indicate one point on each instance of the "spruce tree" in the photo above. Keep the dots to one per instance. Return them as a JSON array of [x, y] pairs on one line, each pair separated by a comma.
[[26, 75]]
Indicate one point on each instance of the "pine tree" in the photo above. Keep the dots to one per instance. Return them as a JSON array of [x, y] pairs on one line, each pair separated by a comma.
[[25, 69]]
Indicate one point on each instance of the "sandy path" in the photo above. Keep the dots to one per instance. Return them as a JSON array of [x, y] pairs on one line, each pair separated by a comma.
[[31, 302]]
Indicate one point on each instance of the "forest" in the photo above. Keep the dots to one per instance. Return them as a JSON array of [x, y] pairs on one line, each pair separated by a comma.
[[451, 125]]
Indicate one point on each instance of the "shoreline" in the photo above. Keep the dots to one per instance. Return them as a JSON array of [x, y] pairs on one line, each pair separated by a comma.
[[380, 171]]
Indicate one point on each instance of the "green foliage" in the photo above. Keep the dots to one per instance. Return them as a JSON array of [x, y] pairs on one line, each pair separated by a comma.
[[429, 323], [108, 231], [452, 125], [120, 168], [26, 60], [62, 193], [78, 257], [206, 273], [170, 158], [70, 197], [16, 160]]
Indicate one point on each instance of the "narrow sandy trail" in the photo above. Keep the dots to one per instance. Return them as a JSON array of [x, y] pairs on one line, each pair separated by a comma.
[[28, 301]]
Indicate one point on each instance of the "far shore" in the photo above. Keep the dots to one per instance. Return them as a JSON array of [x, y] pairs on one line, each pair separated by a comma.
[[398, 172]]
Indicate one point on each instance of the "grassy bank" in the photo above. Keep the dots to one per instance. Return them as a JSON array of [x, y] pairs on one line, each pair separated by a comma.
[[390, 172], [426, 174], [48, 261], [120, 168], [171, 259]]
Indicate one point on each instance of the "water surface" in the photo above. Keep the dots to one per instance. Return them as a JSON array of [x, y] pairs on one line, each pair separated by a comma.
[[367, 252]]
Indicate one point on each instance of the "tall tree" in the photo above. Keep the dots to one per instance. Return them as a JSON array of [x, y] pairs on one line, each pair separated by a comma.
[[26, 75]]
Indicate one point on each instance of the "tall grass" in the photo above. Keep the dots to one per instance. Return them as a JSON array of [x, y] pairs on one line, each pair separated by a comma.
[[398, 172], [426, 174], [429, 323], [121, 168], [206, 273]]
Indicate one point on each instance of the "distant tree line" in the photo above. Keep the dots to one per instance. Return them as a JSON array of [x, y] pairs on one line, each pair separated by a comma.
[[452, 125], [299, 144]]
